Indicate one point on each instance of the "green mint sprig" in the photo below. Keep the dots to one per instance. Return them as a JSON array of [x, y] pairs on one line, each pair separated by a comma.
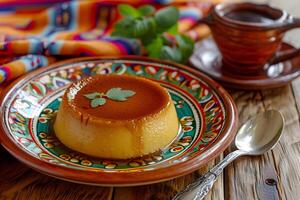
[[151, 27], [115, 94]]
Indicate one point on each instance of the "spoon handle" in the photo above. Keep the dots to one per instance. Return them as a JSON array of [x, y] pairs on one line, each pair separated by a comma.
[[199, 189]]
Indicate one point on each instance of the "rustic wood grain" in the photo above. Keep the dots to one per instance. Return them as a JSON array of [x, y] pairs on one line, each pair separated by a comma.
[[274, 175], [166, 190], [281, 164], [19, 182]]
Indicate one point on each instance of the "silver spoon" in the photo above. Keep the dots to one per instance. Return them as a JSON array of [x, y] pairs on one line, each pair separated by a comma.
[[257, 136]]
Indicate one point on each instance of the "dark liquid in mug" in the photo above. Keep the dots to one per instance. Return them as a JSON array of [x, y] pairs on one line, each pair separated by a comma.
[[251, 16]]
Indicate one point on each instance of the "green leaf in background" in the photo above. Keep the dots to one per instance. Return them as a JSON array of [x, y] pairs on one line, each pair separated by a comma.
[[150, 27], [173, 54], [186, 46], [184, 41], [141, 27], [128, 10], [118, 94], [146, 10], [173, 30], [98, 102], [166, 17], [154, 47], [92, 95], [151, 33], [167, 40], [124, 27]]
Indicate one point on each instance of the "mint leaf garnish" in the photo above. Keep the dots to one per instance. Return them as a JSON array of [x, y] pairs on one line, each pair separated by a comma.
[[98, 102], [118, 94], [92, 95], [115, 94]]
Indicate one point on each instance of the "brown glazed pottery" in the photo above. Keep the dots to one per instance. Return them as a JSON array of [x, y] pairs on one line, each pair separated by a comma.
[[208, 59], [206, 113], [249, 35]]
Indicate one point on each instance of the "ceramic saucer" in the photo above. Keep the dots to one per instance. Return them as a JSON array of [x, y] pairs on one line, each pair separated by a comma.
[[206, 113], [208, 59]]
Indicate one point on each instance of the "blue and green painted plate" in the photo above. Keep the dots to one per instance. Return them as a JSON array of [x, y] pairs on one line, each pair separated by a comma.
[[206, 113]]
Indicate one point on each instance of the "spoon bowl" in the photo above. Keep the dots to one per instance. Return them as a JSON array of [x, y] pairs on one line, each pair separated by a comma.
[[260, 133]]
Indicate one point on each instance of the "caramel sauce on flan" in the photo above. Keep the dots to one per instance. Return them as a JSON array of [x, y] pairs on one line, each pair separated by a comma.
[[149, 97]]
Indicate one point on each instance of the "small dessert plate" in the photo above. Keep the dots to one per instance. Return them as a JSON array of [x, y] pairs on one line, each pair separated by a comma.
[[206, 113], [208, 59]]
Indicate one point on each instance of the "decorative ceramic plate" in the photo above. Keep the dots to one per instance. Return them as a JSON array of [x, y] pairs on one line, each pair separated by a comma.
[[205, 111]]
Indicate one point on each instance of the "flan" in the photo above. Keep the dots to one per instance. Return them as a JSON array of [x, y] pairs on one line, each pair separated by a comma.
[[116, 117]]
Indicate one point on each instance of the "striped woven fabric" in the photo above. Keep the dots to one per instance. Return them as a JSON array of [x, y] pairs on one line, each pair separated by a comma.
[[34, 33]]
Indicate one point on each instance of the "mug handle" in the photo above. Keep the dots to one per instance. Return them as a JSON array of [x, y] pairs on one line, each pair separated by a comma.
[[288, 54]]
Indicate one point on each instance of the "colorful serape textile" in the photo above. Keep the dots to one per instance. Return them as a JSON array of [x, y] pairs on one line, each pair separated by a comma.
[[33, 33]]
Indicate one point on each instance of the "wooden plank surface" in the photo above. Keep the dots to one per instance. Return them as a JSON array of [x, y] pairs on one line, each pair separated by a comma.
[[17, 181], [166, 190], [276, 175]]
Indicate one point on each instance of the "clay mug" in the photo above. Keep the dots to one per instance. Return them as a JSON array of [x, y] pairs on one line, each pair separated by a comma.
[[249, 35]]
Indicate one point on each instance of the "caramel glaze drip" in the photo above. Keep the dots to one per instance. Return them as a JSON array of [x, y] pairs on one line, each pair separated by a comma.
[[84, 118], [150, 98]]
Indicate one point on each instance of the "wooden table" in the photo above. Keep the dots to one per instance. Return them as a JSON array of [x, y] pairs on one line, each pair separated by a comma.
[[275, 175]]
